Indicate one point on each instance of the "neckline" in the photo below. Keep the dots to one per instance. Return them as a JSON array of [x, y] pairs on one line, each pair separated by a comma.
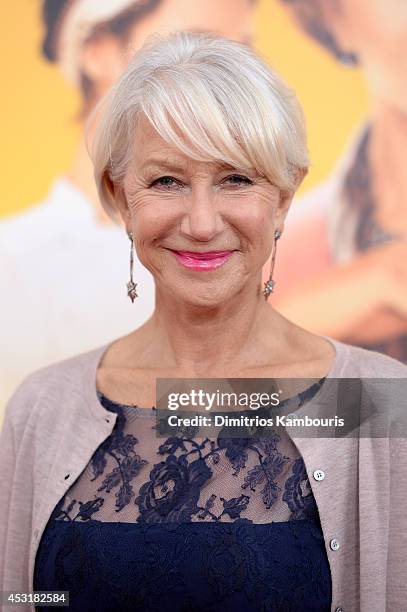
[[135, 408], [144, 411], [96, 357]]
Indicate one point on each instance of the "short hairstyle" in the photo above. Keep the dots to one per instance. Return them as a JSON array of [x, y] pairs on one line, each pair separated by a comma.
[[212, 98]]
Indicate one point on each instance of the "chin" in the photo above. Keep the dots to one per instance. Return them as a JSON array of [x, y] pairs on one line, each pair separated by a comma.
[[197, 295]]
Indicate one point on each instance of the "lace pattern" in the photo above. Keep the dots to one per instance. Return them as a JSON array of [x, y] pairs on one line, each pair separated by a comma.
[[187, 524]]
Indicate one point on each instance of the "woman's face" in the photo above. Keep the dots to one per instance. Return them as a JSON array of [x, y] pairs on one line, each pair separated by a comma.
[[203, 229]]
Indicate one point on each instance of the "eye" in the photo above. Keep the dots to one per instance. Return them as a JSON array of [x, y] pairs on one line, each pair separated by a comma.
[[166, 182], [238, 179]]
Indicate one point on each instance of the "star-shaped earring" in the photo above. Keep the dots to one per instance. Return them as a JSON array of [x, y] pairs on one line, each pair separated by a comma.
[[131, 285], [268, 287], [131, 290]]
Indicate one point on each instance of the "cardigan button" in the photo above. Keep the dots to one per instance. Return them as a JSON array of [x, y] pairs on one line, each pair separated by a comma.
[[319, 474], [334, 544]]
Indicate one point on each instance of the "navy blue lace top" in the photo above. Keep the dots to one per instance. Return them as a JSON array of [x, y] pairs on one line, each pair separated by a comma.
[[187, 525]]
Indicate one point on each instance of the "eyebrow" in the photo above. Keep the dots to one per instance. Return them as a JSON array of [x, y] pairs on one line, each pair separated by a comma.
[[160, 163], [178, 165]]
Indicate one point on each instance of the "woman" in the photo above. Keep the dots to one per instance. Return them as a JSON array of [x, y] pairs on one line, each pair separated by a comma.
[[354, 226], [200, 149]]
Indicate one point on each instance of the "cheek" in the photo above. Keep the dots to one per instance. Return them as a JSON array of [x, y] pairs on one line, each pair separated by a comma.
[[151, 218], [255, 221]]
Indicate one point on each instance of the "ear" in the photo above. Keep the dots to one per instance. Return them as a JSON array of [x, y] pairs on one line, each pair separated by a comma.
[[116, 197], [299, 174], [286, 195]]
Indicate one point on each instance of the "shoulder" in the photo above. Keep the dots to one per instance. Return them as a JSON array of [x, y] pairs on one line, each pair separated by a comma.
[[379, 389], [365, 363], [52, 390]]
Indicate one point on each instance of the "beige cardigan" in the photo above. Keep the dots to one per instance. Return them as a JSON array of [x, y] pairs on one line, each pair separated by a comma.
[[54, 422]]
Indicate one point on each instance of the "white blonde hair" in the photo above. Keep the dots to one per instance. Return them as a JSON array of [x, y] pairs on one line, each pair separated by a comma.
[[212, 98]]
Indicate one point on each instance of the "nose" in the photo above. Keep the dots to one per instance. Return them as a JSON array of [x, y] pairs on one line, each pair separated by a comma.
[[202, 220]]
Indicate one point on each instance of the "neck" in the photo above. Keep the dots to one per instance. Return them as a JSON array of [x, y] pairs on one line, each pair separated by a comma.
[[80, 174], [388, 150], [193, 338]]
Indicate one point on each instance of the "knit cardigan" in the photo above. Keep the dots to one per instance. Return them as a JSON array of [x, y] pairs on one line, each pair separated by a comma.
[[54, 422]]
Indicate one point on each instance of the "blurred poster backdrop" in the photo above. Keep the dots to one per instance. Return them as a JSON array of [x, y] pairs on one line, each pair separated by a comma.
[[341, 263]]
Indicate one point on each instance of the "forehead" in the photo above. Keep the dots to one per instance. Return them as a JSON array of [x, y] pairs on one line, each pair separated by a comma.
[[151, 149], [147, 139]]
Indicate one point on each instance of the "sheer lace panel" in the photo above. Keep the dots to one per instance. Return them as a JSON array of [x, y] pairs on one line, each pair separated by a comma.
[[187, 522]]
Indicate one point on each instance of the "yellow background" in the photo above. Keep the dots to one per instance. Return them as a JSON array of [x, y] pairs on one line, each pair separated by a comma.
[[38, 108]]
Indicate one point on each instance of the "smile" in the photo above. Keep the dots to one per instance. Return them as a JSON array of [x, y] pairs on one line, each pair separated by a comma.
[[209, 260]]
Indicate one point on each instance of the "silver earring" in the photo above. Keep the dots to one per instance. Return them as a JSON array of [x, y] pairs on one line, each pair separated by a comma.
[[269, 285], [131, 285]]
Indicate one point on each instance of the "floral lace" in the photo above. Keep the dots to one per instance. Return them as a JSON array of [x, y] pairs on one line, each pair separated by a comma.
[[187, 524]]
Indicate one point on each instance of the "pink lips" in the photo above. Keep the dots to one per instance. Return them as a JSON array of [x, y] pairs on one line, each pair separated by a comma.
[[202, 261]]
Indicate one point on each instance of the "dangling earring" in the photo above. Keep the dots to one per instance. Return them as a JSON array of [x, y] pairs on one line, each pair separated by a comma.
[[131, 285], [269, 285]]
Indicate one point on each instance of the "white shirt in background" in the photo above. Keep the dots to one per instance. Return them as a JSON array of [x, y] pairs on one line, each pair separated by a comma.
[[63, 284]]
